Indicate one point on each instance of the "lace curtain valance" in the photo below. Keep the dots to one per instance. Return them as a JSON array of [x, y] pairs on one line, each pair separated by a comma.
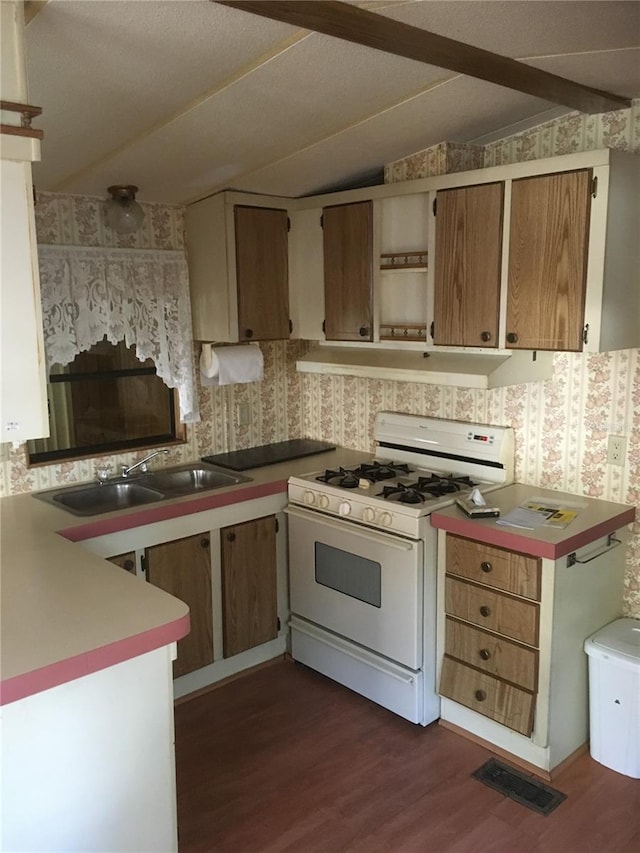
[[137, 296]]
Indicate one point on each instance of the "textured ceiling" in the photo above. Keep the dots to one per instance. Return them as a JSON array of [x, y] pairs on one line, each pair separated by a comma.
[[185, 98]]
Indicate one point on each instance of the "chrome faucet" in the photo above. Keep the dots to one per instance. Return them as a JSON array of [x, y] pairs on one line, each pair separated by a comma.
[[125, 472]]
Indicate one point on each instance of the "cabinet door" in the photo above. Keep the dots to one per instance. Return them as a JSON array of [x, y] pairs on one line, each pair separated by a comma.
[[249, 597], [548, 261], [467, 265], [183, 568], [23, 391], [262, 273], [348, 271], [125, 561]]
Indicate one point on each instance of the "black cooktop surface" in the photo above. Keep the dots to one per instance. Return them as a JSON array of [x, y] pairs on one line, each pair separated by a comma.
[[268, 454]]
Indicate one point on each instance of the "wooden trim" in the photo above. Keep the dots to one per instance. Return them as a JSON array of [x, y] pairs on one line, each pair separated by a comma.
[[357, 25], [509, 756], [32, 8], [13, 130], [25, 109], [547, 775], [27, 113], [230, 678]]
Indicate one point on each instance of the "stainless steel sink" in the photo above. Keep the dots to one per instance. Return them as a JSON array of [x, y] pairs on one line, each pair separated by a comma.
[[106, 497], [188, 479], [96, 498]]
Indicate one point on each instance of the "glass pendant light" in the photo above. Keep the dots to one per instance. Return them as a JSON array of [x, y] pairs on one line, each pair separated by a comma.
[[123, 213]]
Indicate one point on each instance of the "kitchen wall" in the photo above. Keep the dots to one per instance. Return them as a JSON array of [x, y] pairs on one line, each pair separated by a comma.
[[561, 425], [274, 403]]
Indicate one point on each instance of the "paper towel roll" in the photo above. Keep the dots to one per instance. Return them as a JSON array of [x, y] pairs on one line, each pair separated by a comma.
[[231, 365]]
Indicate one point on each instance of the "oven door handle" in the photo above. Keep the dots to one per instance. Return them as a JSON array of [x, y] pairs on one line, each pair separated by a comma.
[[370, 535]]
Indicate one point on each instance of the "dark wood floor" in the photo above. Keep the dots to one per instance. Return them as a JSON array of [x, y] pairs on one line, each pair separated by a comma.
[[286, 760]]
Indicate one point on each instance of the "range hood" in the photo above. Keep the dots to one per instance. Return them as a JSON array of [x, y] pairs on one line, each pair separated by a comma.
[[466, 369]]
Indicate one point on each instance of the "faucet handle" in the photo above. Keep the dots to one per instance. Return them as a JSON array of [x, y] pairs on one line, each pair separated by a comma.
[[103, 473]]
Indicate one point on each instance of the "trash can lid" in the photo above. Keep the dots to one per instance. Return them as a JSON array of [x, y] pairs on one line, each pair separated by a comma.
[[621, 637]]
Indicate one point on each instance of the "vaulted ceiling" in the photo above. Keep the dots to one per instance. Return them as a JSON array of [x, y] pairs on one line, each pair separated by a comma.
[[185, 98]]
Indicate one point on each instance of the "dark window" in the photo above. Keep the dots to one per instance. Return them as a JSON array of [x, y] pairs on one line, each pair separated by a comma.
[[106, 400]]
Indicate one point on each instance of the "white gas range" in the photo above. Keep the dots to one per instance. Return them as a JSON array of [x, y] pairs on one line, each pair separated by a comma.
[[362, 555]]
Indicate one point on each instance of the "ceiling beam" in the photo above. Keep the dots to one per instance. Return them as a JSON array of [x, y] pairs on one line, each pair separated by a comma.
[[32, 7], [351, 23]]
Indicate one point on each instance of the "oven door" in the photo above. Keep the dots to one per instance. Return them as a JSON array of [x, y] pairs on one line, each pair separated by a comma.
[[362, 584]]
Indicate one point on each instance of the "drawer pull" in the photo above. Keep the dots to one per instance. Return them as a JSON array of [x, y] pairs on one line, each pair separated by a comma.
[[485, 611], [486, 566], [485, 654], [480, 695]]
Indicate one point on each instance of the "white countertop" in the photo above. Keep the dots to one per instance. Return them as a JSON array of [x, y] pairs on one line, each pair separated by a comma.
[[66, 613]]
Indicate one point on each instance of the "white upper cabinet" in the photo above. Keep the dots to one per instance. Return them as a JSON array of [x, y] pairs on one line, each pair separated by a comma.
[[238, 255], [23, 381], [540, 255]]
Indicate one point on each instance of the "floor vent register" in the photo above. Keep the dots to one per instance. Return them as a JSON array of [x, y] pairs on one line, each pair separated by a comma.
[[520, 787]]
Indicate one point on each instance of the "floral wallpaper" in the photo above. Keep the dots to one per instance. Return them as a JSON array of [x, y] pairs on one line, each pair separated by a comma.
[[562, 425], [274, 403]]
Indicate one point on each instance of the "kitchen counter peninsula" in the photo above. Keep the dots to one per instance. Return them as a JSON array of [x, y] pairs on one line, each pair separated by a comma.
[[66, 613], [87, 651]]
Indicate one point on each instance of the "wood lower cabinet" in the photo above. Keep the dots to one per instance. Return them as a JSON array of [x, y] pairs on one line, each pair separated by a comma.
[[249, 584], [513, 672], [490, 696], [183, 568], [125, 561], [491, 632], [468, 265], [348, 271], [548, 252]]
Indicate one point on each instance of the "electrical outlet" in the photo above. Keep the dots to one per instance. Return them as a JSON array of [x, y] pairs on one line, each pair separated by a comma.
[[243, 414], [617, 449]]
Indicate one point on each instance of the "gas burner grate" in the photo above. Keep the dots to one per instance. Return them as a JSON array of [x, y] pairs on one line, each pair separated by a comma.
[[376, 471], [403, 494], [438, 485], [342, 477], [431, 486]]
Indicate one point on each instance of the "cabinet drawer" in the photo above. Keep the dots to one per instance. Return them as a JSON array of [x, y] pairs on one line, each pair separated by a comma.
[[491, 610], [492, 654], [502, 702], [495, 567]]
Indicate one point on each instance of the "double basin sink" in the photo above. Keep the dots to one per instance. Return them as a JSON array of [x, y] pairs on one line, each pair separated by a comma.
[[150, 487]]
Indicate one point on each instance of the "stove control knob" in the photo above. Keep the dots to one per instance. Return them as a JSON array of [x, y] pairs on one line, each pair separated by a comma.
[[323, 501], [344, 508], [369, 514], [385, 519], [309, 497]]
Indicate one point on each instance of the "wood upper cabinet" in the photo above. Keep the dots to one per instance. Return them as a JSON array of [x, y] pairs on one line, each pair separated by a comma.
[[467, 265], [238, 256], [548, 252], [348, 271], [249, 584], [261, 237], [183, 568]]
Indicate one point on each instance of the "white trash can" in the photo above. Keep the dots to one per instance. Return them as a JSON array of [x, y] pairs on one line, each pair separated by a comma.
[[614, 696]]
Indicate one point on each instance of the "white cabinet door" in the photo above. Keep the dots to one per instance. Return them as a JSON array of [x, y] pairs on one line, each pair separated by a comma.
[[23, 382]]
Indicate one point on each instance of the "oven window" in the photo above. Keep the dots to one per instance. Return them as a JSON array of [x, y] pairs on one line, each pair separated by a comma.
[[348, 573]]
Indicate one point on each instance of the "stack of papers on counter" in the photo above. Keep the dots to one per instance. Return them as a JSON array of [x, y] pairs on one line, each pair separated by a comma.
[[541, 511]]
